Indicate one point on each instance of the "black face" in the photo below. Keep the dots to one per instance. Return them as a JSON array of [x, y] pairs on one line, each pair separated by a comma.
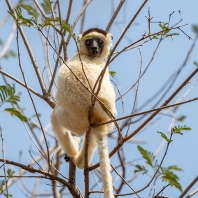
[[94, 46]]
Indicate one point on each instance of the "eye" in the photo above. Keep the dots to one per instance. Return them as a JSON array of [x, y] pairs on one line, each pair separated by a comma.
[[100, 41], [87, 42]]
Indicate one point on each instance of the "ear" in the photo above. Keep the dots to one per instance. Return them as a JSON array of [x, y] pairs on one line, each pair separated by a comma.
[[79, 37], [110, 38]]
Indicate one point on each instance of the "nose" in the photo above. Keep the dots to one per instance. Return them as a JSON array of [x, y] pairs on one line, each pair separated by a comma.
[[93, 47]]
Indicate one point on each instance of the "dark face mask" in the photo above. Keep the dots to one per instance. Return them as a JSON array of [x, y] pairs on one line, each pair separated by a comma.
[[94, 46]]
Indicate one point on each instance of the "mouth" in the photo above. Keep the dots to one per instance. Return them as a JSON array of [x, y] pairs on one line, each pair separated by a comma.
[[94, 53]]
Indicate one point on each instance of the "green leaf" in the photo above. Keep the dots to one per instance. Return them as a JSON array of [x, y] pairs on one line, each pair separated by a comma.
[[140, 169], [171, 178], [46, 6], [166, 31], [163, 25], [7, 94], [172, 34], [48, 22], [9, 195], [31, 11], [178, 129], [165, 137], [112, 74], [86, 37], [17, 113], [195, 28], [35, 115], [19, 19], [67, 27], [195, 63], [174, 167], [155, 37], [1, 42], [33, 126], [13, 16], [148, 156], [172, 182], [9, 54], [10, 173], [181, 118]]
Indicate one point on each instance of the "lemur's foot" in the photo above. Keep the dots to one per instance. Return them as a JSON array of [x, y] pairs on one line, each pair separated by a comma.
[[66, 158]]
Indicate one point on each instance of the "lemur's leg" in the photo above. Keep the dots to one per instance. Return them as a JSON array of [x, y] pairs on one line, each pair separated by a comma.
[[79, 160], [64, 137]]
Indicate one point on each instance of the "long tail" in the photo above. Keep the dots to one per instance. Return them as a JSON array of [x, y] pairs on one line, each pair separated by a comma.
[[105, 167]]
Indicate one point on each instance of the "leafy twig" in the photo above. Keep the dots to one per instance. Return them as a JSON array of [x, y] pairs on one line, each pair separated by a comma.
[[36, 68], [21, 83]]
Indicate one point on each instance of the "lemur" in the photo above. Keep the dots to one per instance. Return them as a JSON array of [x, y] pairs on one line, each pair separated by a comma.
[[71, 113]]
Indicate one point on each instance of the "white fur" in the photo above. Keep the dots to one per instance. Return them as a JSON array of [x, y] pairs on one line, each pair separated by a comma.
[[70, 116]]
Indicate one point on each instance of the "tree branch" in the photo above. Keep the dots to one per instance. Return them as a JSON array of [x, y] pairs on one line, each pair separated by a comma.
[[114, 15]]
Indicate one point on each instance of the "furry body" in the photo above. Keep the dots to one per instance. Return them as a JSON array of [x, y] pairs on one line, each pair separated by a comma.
[[71, 114]]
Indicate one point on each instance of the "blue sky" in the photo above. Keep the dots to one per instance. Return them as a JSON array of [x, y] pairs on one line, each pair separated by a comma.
[[169, 58]]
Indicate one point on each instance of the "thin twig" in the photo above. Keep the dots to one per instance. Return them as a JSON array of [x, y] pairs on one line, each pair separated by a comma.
[[192, 193], [62, 33], [170, 15], [18, 50], [185, 33], [4, 162], [114, 15], [69, 11], [43, 154], [40, 8], [54, 73], [77, 18], [86, 168], [142, 74], [34, 170], [136, 92], [21, 83], [35, 187], [162, 190], [121, 99], [35, 161], [83, 19], [181, 19], [125, 181], [8, 42], [22, 172], [148, 111], [152, 187], [189, 187]]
